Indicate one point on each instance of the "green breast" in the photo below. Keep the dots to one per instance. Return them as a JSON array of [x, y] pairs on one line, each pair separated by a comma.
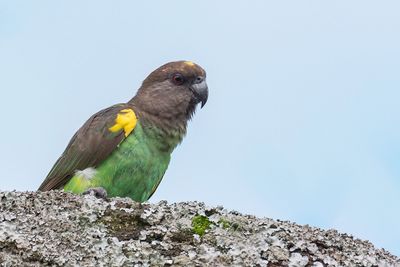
[[134, 169]]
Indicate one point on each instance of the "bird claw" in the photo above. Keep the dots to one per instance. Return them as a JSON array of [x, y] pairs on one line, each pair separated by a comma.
[[98, 192]]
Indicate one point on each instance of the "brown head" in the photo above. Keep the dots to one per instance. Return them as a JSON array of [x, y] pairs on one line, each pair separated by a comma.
[[171, 93]]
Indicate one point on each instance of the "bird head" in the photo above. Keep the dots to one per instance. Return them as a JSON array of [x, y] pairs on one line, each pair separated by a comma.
[[173, 89]]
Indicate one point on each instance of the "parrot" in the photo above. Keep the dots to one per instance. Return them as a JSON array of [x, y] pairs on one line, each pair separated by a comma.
[[124, 150]]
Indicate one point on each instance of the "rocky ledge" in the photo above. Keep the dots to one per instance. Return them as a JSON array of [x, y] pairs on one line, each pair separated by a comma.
[[61, 229]]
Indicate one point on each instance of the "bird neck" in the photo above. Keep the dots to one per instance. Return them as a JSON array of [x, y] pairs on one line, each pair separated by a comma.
[[163, 131]]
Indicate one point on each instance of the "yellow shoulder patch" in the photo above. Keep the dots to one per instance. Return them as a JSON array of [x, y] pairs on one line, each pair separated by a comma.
[[126, 120]]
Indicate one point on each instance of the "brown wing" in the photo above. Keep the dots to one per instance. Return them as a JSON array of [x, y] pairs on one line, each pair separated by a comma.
[[90, 145]]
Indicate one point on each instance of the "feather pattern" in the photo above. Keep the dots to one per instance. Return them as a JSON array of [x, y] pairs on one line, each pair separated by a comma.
[[91, 144]]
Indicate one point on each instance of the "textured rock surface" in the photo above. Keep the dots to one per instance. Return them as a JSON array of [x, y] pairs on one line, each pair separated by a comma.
[[60, 229]]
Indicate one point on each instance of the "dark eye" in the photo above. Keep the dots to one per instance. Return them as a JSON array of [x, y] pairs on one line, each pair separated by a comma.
[[178, 79]]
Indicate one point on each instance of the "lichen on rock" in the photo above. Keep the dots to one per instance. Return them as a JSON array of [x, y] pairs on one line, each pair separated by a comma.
[[60, 229]]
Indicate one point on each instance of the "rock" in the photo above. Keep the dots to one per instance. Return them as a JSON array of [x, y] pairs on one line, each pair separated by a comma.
[[61, 229]]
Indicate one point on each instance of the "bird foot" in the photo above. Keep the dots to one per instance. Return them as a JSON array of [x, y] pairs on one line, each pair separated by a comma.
[[98, 192]]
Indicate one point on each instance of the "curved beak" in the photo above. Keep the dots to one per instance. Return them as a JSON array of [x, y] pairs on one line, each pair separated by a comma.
[[200, 90]]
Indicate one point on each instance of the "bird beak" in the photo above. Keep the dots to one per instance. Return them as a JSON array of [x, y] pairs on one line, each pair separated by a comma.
[[200, 91]]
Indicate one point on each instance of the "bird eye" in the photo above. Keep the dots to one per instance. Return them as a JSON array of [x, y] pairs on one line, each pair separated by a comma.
[[178, 79]]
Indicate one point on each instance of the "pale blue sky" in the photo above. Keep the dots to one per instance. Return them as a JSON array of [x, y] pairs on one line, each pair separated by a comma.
[[302, 122]]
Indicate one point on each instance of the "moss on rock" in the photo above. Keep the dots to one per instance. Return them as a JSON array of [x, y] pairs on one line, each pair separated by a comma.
[[200, 224]]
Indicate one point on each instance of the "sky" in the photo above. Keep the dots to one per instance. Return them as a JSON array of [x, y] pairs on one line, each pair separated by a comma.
[[303, 117]]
